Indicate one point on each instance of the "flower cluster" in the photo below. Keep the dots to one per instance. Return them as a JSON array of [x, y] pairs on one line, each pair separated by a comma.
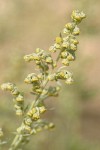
[[42, 59], [78, 16], [48, 71], [61, 75], [31, 116], [67, 44], [36, 81], [18, 97]]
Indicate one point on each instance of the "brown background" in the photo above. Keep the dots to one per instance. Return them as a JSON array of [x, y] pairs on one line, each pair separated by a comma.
[[28, 24]]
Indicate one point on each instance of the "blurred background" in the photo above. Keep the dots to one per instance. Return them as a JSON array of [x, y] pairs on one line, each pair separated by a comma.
[[28, 24]]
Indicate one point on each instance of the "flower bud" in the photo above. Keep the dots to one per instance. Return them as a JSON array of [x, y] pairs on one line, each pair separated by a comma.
[[51, 125], [64, 54], [66, 31], [49, 60], [36, 116], [77, 16], [65, 62], [65, 44], [15, 91], [73, 47], [70, 26], [39, 51], [31, 112], [76, 31], [74, 41], [20, 98], [42, 109], [70, 57], [58, 40], [57, 46], [28, 121], [7, 86], [19, 112]]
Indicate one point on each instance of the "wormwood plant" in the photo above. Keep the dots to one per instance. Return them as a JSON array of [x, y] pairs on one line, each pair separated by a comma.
[[49, 71]]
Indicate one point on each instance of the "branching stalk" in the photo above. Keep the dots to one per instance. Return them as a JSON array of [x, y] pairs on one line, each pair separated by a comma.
[[66, 45]]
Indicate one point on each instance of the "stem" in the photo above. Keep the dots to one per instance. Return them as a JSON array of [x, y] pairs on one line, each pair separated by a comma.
[[16, 142]]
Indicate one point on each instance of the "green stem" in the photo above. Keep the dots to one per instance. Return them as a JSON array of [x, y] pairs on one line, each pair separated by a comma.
[[16, 142]]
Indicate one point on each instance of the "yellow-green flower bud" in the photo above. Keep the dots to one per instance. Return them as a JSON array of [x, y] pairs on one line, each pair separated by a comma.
[[31, 112], [34, 79], [51, 125], [36, 57], [27, 80], [31, 78], [74, 41], [66, 31], [28, 121], [70, 26], [70, 57], [42, 109], [20, 98], [17, 106], [58, 40], [63, 74], [7, 86], [28, 57], [76, 31], [77, 16], [39, 51], [64, 54], [38, 90], [36, 116], [65, 62], [19, 112], [31, 57], [49, 60], [57, 46], [65, 44], [15, 91], [73, 47]]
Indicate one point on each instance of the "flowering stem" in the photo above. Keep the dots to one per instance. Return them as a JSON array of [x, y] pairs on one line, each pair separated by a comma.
[[66, 45]]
